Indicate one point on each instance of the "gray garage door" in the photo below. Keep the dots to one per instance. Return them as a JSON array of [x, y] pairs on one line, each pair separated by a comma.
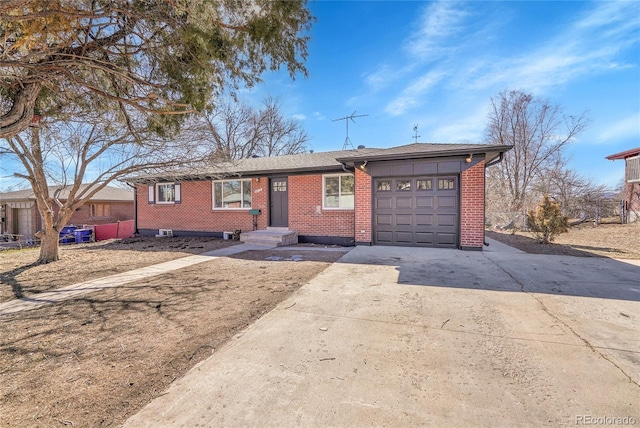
[[416, 211]]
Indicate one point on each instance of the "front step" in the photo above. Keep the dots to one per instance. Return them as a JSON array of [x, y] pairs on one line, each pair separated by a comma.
[[273, 236]]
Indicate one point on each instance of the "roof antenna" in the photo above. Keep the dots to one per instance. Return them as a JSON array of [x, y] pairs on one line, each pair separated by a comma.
[[415, 132], [347, 141]]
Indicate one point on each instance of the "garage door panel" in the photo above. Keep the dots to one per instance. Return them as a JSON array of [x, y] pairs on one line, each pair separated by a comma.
[[424, 238], [445, 239], [384, 237], [446, 220], [424, 201], [446, 202], [404, 220], [418, 210], [384, 219], [404, 237], [424, 219], [383, 202], [404, 202]]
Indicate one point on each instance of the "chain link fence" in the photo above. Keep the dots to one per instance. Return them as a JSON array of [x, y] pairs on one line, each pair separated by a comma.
[[607, 210]]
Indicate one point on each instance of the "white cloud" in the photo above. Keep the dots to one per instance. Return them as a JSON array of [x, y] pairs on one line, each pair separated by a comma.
[[382, 77], [413, 95], [301, 117], [440, 21], [626, 128], [319, 116], [468, 127], [590, 45]]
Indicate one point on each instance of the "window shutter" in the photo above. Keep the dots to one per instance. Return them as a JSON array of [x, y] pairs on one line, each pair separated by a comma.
[[152, 194], [177, 193]]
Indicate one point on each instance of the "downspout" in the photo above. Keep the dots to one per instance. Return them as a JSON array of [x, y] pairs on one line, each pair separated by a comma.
[[135, 208], [484, 219]]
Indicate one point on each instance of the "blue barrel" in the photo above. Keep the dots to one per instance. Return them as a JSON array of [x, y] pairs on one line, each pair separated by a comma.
[[82, 235], [67, 236]]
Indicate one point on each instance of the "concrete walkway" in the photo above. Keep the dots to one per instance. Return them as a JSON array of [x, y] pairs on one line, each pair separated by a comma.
[[396, 337], [119, 279]]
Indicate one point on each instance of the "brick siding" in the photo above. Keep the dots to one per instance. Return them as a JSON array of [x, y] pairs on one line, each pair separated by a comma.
[[195, 210], [306, 215], [195, 213], [119, 211], [363, 218], [472, 207]]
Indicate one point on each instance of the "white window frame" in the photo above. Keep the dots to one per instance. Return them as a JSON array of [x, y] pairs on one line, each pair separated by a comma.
[[242, 184], [175, 194], [324, 183], [633, 169]]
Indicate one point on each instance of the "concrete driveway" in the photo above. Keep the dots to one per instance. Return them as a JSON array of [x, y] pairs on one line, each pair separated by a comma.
[[400, 337]]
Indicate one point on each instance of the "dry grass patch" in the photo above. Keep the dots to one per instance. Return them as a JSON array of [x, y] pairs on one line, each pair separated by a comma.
[[584, 240], [96, 360]]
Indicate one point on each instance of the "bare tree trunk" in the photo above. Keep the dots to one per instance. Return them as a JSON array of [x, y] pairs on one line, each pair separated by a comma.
[[49, 238], [49, 246]]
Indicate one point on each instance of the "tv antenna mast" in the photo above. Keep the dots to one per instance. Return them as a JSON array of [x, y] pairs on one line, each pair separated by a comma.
[[415, 132], [347, 141]]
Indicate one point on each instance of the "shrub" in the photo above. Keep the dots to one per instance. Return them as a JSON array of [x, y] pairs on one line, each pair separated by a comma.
[[546, 221]]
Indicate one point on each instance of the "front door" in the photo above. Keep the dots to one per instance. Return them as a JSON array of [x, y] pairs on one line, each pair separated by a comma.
[[279, 202]]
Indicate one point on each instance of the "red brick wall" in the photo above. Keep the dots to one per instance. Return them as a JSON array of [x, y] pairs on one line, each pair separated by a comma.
[[119, 211], [306, 215], [363, 207], [472, 207], [195, 212]]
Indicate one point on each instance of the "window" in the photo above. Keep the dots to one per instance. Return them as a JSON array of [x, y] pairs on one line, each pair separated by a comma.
[[165, 193], [633, 169], [403, 185], [232, 194], [100, 210], [446, 184], [384, 186], [423, 184], [279, 186], [338, 191]]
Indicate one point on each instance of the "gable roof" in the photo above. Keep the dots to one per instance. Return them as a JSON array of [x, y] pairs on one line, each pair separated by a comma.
[[320, 161], [107, 194], [625, 154]]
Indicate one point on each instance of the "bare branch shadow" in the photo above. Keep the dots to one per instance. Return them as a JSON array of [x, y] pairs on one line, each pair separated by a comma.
[[10, 278]]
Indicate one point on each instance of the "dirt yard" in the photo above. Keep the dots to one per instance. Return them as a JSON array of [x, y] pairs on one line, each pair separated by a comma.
[[620, 241], [82, 262], [96, 360]]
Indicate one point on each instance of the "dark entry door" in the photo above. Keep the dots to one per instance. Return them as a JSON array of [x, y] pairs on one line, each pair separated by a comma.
[[279, 205]]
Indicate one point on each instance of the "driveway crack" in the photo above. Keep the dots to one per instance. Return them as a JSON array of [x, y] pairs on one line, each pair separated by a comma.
[[564, 323]]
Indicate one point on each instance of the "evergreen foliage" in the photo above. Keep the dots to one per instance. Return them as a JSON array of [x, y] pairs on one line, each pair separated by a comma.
[[546, 222]]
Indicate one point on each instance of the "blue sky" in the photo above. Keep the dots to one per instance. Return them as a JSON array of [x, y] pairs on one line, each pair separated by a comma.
[[437, 64]]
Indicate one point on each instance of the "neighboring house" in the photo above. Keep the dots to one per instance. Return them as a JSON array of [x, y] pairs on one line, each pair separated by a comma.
[[413, 195], [20, 215], [632, 183]]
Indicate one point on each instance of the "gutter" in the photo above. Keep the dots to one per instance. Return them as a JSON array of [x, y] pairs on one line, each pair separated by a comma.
[[495, 161], [346, 168]]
